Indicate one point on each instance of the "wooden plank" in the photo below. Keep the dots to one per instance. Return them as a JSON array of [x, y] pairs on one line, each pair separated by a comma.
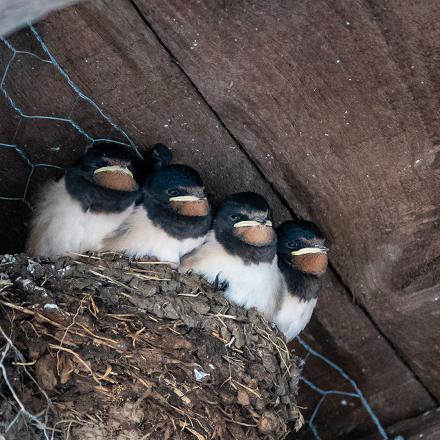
[[133, 79], [341, 332], [153, 101], [312, 92], [423, 427], [416, 55], [150, 98]]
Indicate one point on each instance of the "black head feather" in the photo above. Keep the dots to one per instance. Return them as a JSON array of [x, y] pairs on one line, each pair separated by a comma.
[[103, 152], [292, 236], [158, 156], [81, 186], [245, 200], [242, 207], [173, 181], [173, 177]]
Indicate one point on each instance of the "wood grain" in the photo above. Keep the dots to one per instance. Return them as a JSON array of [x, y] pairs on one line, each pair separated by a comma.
[[134, 79], [341, 332], [321, 96], [137, 82], [263, 87], [424, 427]]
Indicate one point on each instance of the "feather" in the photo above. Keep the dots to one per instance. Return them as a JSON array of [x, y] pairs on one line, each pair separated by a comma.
[[138, 237], [61, 225], [247, 284], [294, 314]]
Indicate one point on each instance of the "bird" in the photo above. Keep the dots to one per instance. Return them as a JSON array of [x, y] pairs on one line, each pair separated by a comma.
[[158, 156], [239, 253], [92, 198], [302, 260], [172, 219]]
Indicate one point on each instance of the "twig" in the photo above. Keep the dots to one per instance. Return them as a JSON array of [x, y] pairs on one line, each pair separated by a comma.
[[40, 425], [77, 356], [67, 330], [118, 283]]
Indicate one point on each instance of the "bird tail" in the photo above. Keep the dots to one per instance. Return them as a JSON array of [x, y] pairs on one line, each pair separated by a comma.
[[158, 156]]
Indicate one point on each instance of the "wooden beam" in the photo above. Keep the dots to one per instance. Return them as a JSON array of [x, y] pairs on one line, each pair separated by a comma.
[[149, 96], [138, 84], [422, 427], [130, 76], [315, 93], [341, 332]]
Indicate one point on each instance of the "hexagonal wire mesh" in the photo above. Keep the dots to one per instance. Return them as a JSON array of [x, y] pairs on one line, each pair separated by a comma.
[[8, 351]]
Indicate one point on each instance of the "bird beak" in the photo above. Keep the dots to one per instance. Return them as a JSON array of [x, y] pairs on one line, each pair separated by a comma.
[[114, 169], [310, 250], [115, 177], [254, 232], [191, 206], [187, 199], [252, 223]]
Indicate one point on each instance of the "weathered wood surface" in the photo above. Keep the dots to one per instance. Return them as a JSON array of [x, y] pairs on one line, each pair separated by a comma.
[[137, 83], [134, 80], [16, 13], [338, 103], [341, 332], [423, 427]]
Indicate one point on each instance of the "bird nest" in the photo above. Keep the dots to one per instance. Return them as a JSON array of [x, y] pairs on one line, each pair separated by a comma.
[[97, 347]]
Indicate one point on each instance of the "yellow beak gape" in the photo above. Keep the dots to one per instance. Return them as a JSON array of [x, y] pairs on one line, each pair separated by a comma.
[[185, 199], [114, 169], [310, 250], [249, 223]]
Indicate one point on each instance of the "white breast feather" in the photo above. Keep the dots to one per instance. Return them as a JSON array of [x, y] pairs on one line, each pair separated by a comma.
[[143, 239], [294, 314], [253, 285], [61, 226]]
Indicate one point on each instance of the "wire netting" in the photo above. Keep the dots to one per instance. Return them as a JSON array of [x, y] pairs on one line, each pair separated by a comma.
[[9, 354], [14, 54]]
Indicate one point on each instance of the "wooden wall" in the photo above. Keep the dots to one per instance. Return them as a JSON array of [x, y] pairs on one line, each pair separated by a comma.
[[329, 108]]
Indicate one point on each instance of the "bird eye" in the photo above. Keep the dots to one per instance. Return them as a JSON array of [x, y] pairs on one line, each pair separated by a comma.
[[173, 192], [291, 245], [234, 217]]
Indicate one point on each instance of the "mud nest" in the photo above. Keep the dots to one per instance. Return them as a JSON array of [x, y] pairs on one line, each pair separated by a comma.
[[97, 347]]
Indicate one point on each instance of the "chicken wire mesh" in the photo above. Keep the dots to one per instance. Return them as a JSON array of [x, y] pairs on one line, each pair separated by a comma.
[[10, 57]]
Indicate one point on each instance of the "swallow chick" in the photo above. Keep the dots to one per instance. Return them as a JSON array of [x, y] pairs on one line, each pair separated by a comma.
[[172, 220], [92, 199], [240, 253], [302, 260]]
